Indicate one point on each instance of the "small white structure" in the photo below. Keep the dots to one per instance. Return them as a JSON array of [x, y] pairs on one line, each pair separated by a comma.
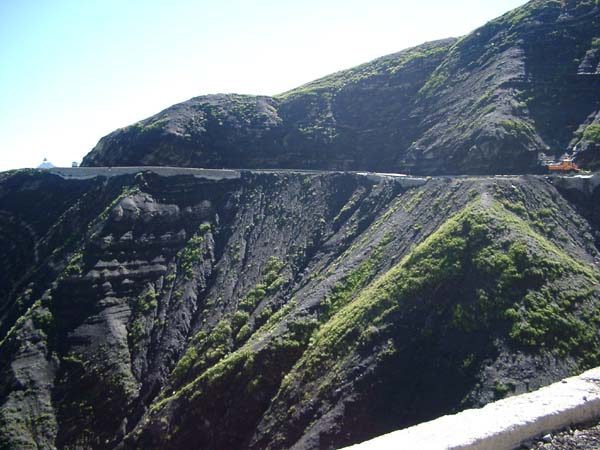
[[46, 165]]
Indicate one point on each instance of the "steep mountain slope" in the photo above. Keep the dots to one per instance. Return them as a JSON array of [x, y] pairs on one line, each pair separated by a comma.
[[322, 125], [489, 102], [283, 310]]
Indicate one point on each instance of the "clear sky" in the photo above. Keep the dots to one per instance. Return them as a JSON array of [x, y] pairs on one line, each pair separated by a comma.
[[72, 71]]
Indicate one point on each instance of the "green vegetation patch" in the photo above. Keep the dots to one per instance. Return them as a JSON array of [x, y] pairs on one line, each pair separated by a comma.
[[191, 254], [485, 270], [516, 128], [75, 265], [345, 289], [271, 282], [209, 362], [592, 133], [435, 81], [157, 125], [206, 349], [126, 192], [386, 66], [203, 351], [145, 302], [528, 11]]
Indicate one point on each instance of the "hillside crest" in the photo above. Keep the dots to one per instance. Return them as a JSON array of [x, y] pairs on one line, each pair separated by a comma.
[[487, 103]]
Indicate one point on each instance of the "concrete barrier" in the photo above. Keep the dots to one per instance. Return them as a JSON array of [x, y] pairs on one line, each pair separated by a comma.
[[82, 173], [583, 183], [505, 424]]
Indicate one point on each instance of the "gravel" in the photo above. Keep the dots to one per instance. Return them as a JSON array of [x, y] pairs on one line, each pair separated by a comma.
[[582, 437]]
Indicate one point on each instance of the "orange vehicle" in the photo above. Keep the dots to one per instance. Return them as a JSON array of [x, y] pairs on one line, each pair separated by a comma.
[[566, 164]]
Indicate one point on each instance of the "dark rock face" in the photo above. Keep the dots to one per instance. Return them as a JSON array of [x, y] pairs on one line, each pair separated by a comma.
[[282, 310], [525, 83]]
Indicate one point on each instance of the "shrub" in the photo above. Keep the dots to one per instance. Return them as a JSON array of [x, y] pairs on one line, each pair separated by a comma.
[[592, 133]]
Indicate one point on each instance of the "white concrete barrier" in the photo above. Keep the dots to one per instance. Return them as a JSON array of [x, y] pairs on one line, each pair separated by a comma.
[[82, 173], [505, 424], [583, 183]]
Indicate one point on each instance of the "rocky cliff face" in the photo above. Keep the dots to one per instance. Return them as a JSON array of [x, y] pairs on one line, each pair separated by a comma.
[[525, 83], [282, 310]]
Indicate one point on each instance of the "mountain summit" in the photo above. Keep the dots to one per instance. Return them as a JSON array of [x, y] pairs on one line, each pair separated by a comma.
[[490, 102]]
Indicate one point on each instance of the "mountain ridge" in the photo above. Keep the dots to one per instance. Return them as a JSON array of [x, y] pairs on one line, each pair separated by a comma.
[[485, 103]]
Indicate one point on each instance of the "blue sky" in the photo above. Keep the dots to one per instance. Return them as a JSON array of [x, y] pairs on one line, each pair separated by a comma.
[[74, 70]]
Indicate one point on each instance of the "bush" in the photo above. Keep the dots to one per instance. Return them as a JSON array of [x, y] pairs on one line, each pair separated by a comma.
[[592, 133]]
